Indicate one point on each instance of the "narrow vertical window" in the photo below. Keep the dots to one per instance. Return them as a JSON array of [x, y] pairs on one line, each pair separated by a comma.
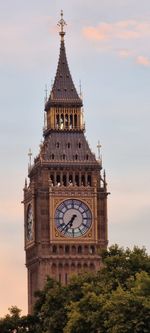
[[77, 180], [83, 180], [89, 180], [64, 180], [66, 121], [57, 121], [59, 278], [61, 121], [71, 122], [66, 278], [75, 121]]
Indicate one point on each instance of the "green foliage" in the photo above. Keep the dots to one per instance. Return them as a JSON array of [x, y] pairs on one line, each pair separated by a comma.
[[114, 300], [127, 312], [52, 312], [14, 323], [120, 264]]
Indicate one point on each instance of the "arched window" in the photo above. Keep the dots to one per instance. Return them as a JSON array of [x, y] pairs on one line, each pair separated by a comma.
[[52, 179], [60, 250], [57, 121], [85, 267], [77, 180], [73, 249], [70, 179], [79, 144], [64, 180], [66, 278], [86, 249], [89, 180], [66, 249], [59, 278], [61, 121], [92, 249], [66, 120], [79, 249], [53, 156], [71, 122], [83, 180], [58, 180], [92, 267], [75, 121]]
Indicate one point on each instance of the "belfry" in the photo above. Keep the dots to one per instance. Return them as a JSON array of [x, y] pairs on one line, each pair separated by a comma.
[[65, 202]]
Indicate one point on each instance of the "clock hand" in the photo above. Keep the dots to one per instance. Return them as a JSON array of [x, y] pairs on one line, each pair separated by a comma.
[[70, 223], [72, 219]]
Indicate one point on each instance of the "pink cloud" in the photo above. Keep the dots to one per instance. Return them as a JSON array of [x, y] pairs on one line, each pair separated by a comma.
[[102, 32], [141, 60], [122, 37], [127, 29]]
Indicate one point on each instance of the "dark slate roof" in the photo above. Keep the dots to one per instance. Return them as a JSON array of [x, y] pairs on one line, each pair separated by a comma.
[[67, 147], [63, 90]]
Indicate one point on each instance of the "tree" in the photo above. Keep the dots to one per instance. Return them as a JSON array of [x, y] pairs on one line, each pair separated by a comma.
[[114, 300], [50, 308], [128, 311], [14, 323], [119, 299]]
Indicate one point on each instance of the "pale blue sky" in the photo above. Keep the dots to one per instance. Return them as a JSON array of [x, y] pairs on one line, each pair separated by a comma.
[[108, 48]]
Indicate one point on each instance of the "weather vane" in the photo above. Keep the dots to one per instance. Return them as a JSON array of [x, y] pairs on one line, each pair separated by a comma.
[[61, 24]]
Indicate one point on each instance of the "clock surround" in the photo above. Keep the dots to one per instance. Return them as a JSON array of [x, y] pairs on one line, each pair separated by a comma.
[[73, 218]]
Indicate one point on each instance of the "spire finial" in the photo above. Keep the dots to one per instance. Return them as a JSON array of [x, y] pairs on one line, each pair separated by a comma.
[[61, 24]]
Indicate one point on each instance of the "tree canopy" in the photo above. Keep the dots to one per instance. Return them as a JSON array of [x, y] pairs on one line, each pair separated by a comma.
[[114, 300]]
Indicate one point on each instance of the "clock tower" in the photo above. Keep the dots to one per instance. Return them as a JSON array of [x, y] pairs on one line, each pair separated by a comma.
[[65, 202]]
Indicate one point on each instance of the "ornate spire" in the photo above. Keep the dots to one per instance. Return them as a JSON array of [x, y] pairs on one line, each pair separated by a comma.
[[61, 24], [63, 91]]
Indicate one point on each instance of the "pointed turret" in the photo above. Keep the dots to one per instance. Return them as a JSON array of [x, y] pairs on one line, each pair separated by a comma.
[[63, 91], [64, 105]]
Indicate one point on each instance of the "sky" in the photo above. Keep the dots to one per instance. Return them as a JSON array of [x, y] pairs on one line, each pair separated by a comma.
[[108, 49]]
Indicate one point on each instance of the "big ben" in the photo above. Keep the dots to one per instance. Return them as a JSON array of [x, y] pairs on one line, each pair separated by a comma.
[[65, 202]]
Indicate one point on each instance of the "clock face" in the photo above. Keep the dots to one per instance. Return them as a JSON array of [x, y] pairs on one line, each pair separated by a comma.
[[29, 226], [73, 218]]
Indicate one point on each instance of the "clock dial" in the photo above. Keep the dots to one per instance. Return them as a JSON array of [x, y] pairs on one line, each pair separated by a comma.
[[29, 226], [73, 218]]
